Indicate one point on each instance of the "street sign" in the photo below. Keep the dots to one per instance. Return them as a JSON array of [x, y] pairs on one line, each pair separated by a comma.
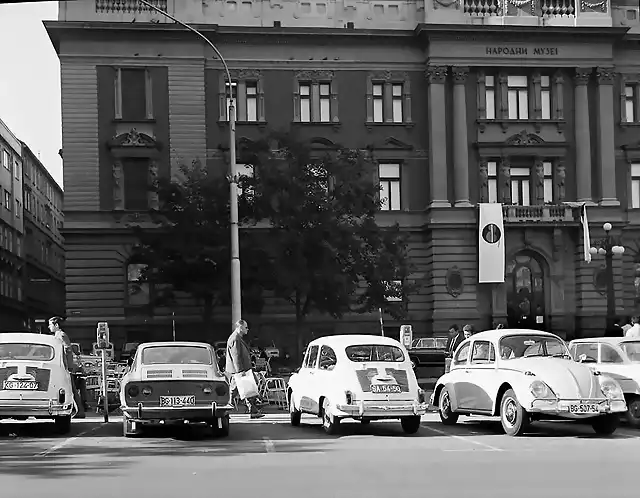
[[102, 336], [406, 335]]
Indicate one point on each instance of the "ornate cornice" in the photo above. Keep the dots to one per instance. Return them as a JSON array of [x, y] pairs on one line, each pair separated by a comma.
[[315, 75], [133, 139], [245, 74], [436, 74], [605, 75], [388, 76]]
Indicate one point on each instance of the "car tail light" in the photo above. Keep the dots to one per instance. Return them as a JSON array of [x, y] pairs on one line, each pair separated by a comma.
[[133, 391], [351, 398], [146, 390], [61, 395], [221, 390]]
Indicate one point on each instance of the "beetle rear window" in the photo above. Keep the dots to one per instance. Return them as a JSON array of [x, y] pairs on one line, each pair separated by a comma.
[[24, 351], [374, 352], [168, 355]]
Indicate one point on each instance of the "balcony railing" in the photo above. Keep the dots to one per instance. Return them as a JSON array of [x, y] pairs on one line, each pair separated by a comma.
[[532, 8], [538, 214], [127, 6]]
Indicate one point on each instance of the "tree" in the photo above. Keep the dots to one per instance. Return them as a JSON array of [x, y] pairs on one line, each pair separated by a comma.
[[323, 238], [189, 250]]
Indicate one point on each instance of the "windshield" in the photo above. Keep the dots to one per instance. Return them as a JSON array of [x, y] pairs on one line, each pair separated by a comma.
[[632, 350], [172, 355], [374, 352], [528, 345], [35, 352]]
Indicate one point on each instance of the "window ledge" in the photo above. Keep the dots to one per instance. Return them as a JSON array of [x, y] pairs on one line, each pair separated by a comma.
[[134, 121], [334, 124], [374, 124], [630, 125], [537, 123], [261, 124]]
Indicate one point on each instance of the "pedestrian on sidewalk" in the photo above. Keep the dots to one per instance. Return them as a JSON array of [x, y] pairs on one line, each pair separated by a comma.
[[239, 361]]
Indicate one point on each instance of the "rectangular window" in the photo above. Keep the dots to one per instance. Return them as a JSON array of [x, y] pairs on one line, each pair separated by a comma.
[[548, 182], [133, 94], [545, 97], [630, 98], [16, 170], [492, 181], [518, 95], [490, 97], [136, 178], [521, 186], [397, 103], [389, 186], [325, 102], [378, 103], [18, 208], [252, 100], [635, 186], [234, 95], [5, 160], [7, 200], [305, 102]]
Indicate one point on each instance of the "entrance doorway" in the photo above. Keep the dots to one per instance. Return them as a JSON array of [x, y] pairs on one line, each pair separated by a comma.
[[525, 292]]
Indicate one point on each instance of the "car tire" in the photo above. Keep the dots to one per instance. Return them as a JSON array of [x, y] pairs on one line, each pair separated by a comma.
[[447, 415], [295, 415], [410, 425], [127, 428], [606, 425], [633, 413], [330, 423], [63, 424], [514, 418]]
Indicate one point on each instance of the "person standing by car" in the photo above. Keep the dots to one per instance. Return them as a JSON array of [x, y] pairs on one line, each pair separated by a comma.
[[468, 331], [456, 337], [239, 361]]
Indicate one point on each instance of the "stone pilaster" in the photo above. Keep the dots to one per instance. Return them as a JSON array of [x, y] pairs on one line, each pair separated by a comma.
[[436, 77], [583, 135], [606, 144], [460, 141]]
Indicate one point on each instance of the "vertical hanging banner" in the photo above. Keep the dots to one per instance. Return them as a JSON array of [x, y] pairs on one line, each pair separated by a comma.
[[491, 244]]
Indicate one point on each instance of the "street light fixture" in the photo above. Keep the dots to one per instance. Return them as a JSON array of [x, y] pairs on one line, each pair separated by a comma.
[[236, 293], [608, 248]]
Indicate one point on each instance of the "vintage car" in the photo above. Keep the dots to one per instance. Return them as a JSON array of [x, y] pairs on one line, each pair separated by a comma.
[[364, 377], [35, 379], [174, 382], [522, 376], [429, 352], [619, 358]]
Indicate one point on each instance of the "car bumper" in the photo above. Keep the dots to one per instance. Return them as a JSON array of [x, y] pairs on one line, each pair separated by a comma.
[[151, 413], [378, 409], [44, 408], [560, 407]]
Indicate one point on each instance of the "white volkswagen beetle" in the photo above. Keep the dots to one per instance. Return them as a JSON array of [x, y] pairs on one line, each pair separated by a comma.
[[619, 358], [522, 376], [364, 377]]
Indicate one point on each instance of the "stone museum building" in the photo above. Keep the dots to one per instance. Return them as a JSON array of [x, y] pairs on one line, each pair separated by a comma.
[[531, 104]]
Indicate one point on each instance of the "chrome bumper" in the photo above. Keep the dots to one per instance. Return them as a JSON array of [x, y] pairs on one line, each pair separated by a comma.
[[560, 407], [377, 409], [44, 408], [149, 413]]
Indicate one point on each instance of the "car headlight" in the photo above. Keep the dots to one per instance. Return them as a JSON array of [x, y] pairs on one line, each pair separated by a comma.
[[540, 390], [610, 388]]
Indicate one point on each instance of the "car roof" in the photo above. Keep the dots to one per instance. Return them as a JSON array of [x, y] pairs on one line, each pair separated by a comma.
[[174, 343], [29, 337], [608, 340], [494, 335], [353, 340]]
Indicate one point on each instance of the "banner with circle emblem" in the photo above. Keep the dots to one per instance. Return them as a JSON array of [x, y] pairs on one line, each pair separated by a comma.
[[491, 244]]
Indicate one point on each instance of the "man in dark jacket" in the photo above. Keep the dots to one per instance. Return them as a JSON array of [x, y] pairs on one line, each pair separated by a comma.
[[455, 338], [239, 361]]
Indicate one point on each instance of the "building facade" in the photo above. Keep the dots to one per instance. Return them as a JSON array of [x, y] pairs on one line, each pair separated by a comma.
[[531, 105], [12, 302], [44, 245]]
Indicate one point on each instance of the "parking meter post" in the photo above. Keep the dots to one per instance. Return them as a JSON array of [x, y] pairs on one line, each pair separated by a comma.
[[105, 399]]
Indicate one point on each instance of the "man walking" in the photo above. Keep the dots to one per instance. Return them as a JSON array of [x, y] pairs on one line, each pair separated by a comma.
[[56, 329], [239, 361]]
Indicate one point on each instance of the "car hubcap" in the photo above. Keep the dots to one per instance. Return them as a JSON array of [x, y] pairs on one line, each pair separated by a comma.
[[446, 405], [510, 412]]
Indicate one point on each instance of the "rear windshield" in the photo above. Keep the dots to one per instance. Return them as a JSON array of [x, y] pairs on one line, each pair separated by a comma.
[[374, 352], [172, 355], [36, 352]]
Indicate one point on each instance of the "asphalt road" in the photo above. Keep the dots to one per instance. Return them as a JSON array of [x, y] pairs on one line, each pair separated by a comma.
[[267, 457]]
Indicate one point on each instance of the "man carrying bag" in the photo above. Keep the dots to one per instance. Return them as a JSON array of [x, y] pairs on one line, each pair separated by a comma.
[[239, 368]]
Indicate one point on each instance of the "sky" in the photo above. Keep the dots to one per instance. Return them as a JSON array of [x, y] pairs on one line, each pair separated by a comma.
[[30, 81]]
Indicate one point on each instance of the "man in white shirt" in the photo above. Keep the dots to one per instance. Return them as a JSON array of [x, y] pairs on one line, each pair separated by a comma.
[[634, 331]]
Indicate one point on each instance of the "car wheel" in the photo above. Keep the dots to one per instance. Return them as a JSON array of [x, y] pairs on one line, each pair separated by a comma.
[[127, 428], [633, 415], [330, 423], [514, 418], [606, 424], [63, 424], [447, 415], [295, 415], [410, 425]]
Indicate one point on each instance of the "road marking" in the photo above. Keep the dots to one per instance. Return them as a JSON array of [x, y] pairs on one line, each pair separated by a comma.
[[69, 440], [461, 438], [269, 446]]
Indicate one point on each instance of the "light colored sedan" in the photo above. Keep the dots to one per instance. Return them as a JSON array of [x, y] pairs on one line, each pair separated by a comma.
[[523, 376]]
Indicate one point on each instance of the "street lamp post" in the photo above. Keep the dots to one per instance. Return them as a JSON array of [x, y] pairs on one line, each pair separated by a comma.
[[236, 295], [608, 247]]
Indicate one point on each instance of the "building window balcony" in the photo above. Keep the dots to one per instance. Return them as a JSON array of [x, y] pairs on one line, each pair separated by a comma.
[[127, 6], [554, 10], [388, 99], [247, 89], [315, 98]]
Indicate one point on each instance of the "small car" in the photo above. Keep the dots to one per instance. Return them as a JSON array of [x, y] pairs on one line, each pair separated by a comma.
[[174, 382], [364, 377], [35, 379], [429, 352], [619, 358], [522, 376]]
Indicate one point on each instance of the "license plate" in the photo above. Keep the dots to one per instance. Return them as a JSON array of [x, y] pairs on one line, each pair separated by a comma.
[[385, 388], [584, 408], [177, 400], [20, 385]]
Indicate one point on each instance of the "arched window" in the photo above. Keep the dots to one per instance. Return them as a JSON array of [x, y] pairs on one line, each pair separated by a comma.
[[138, 289]]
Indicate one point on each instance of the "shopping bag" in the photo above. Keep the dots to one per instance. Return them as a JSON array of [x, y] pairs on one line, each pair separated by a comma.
[[246, 384]]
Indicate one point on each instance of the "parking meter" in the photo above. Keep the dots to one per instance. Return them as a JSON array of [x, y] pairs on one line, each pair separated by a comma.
[[102, 338]]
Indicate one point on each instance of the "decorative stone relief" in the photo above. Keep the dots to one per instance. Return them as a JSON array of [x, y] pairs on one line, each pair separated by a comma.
[[505, 180], [539, 180], [460, 74], [583, 75], [560, 181], [484, 181], [446, 4], [436, 74], [605, 75], [524, 138], [454, 281], [118, 187], [133, 139], [152, 195], [314, 76], [599, 6], [388, 76]]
